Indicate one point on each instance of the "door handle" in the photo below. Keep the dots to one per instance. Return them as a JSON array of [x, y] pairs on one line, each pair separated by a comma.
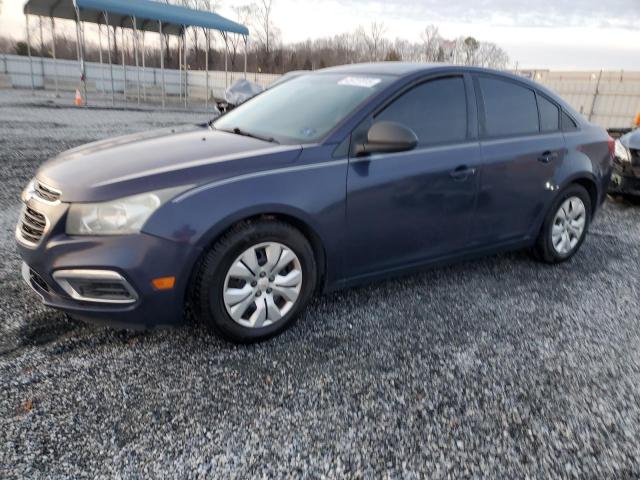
[[547, 156], [462, 172]]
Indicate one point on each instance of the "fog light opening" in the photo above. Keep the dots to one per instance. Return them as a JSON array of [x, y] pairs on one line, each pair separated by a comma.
[[102, 286]]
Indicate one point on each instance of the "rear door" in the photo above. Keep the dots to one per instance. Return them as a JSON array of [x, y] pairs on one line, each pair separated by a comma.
[[522, 146], [406, 207]]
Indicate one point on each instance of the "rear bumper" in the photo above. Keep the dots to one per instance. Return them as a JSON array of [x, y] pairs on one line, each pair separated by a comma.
[[137, 258]]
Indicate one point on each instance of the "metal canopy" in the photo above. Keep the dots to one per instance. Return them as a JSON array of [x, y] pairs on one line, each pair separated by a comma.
[[148, 14], [135, 15]]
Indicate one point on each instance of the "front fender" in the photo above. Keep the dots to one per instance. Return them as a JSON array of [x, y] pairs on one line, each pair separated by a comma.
[[312, 192]]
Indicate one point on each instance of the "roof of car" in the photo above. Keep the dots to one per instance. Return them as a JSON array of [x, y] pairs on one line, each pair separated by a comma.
[[384, 68], [632, 139], [401, 69]]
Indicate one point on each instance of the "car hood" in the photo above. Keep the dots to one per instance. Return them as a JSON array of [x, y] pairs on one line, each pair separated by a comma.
[[632, 139], [170, 157]]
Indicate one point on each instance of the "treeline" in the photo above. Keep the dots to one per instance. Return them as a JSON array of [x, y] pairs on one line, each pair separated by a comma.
[[265, 51]]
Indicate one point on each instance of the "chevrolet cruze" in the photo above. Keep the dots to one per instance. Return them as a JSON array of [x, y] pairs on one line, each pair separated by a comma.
[[328, 180]]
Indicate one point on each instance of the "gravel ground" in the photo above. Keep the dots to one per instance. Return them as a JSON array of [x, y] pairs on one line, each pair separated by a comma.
[[501, 367]]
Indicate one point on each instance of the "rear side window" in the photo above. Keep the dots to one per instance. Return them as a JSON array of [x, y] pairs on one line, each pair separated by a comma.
[[568, 124], [435, 110], [510, 109], [549, 115]]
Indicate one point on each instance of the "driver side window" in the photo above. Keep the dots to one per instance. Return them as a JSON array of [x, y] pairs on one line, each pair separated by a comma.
[[435, 110]]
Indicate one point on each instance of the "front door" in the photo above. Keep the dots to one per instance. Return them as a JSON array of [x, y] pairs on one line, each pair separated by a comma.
[[409, 207]]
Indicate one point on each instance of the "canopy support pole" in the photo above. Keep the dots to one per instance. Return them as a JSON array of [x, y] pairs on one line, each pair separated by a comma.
[[135, 51], [41, 50], [226, 61], [245, 56], [180, 64], [162, 61], [100, 56], [80, 47], [124, 67], [206, 67], [53, 51], [84, 64], [33, 86], [144, 81], [186, 65], [106, 19]]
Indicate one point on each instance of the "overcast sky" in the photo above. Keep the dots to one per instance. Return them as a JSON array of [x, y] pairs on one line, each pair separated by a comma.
[[556, 34]]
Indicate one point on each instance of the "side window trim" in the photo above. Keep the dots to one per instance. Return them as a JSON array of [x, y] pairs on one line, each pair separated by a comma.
[[482, 113], [419, 82]]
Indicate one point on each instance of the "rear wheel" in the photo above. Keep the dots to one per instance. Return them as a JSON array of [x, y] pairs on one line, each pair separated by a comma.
[[255, 281], [565, 226]]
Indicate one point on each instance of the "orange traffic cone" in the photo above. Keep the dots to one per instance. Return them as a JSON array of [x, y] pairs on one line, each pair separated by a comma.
[[78, 101], [637, 120]]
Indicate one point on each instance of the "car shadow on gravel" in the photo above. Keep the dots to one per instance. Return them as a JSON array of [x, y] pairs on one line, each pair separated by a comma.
[[39, 330]]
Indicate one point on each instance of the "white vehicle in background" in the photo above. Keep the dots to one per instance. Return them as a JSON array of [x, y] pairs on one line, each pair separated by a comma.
[[242, 90]]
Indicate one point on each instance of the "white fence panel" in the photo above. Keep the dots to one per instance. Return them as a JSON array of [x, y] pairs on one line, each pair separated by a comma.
[[98, 77], [613, 96]]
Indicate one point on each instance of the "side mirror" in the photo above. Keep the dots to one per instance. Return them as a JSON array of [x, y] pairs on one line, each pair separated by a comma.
[[388, 137]]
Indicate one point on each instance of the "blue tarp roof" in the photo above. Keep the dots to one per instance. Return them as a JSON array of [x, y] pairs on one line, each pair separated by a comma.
[[148, 13]]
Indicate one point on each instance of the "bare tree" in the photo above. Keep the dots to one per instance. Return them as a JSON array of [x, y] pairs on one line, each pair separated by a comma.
[[491, 56], [243, 15], [206, 6], [373, 39], [431, 40], [266, 33]]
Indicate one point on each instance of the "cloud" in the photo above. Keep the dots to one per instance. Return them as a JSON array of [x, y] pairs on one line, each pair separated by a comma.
[[623, 14]]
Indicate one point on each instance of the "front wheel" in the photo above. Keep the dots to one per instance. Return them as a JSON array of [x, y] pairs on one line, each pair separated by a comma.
[[565, 226], [255, 281]]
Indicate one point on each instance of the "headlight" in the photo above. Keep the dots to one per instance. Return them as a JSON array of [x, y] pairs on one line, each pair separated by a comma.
[[622, 152], [117, 217]]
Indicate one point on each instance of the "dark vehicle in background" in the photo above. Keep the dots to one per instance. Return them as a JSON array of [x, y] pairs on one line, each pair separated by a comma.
[[625, 179], [331, 179]]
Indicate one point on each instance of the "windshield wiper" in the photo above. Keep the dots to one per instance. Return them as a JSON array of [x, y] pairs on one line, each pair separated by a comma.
[[239, 131]]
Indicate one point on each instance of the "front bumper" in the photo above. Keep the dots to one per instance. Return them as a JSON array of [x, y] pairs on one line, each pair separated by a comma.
[[625, 178], [137, 258], [624, 183]]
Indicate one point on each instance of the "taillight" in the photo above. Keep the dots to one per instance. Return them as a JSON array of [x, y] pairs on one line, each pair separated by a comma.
[[612, 147]]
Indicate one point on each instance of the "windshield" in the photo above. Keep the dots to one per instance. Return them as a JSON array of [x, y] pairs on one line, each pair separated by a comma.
[[304, 109]]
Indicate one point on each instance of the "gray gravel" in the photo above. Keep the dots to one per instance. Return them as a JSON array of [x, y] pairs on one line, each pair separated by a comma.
[[501, 367]]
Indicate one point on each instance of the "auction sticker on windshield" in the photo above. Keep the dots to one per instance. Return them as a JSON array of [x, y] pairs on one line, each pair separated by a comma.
[[365, 82]]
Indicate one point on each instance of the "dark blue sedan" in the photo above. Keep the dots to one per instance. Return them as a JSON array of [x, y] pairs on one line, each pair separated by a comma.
[[328, 180]]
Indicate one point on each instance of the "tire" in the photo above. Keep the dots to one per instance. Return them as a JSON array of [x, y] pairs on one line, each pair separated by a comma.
[[545, 249], [224, 277]]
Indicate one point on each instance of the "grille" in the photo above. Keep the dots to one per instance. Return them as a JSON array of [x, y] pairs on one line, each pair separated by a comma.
[[32, 225], [46, 193]]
